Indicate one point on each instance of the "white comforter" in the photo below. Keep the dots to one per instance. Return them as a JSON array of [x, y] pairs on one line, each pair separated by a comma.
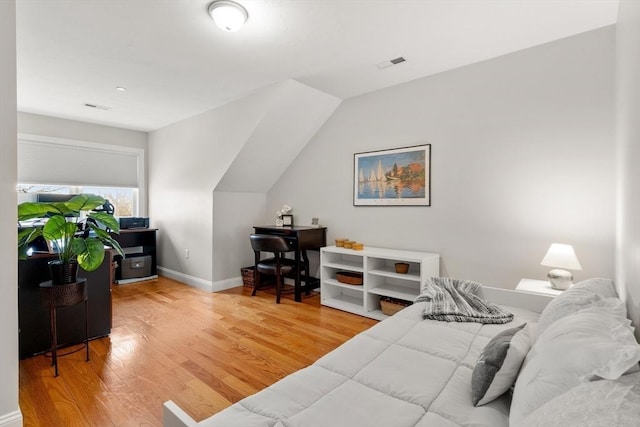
[[403, 372]]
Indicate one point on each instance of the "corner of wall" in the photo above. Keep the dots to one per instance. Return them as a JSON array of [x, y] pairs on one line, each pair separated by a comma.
[[628, 144]]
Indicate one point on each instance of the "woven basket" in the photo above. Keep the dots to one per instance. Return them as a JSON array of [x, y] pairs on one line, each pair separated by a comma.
[[247, 276], [349, 278], [391, 306]]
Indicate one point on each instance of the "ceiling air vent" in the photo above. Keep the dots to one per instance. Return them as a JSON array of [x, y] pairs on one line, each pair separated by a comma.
[[99, 107], [391, 62]]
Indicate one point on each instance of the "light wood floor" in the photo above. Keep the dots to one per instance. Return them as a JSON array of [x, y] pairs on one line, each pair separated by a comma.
[[170, 341]]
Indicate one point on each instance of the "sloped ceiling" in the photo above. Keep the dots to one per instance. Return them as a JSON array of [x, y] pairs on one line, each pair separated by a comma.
[[295, 114]]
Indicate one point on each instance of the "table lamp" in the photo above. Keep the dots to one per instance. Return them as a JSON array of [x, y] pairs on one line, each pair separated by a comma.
[[561, 256]]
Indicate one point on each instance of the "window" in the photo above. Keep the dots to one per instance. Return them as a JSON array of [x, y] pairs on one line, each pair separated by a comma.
[[124, 200], [114, 172]]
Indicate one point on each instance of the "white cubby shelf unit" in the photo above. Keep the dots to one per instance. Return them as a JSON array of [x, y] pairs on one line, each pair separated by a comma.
[[380, 279]]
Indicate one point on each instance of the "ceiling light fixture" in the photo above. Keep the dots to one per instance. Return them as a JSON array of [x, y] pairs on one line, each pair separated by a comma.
[[121, 89], [228, 15]]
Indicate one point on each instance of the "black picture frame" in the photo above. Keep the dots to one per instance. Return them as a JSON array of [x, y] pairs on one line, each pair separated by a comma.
[[287, 220]]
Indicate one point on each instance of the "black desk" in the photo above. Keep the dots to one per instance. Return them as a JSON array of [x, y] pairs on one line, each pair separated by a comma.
[[303, 239]]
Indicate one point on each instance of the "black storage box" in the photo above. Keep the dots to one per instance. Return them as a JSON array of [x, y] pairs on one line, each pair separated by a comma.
[[135, 267], [129, 222]]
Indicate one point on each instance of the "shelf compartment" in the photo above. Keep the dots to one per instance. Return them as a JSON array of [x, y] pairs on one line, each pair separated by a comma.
[[344, 302], [342, 259], [345, 265], [333, 282], [391, 272], [404, 293]]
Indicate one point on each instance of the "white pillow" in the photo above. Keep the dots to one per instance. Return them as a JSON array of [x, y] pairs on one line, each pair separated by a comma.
[[579, 296], [497, 367], [593, 404], [593, 343]]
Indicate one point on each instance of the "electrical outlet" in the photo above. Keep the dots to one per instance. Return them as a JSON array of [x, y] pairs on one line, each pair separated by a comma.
[[186, 253]]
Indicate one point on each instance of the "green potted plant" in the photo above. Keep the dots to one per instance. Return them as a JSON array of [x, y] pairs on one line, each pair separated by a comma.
[[76, 232]]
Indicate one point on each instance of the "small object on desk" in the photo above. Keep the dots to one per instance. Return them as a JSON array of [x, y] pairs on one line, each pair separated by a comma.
[[315, 222], [279, 222], [287, 220], [542, 287]]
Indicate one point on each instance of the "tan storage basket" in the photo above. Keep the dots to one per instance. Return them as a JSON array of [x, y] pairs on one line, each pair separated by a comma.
[[391, 306], [349, 277]]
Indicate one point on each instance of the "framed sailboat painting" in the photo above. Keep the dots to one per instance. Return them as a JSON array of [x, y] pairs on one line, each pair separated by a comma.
[[395, 177]]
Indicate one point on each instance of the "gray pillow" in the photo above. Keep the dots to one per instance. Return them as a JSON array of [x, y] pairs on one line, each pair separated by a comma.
[[498, 365]]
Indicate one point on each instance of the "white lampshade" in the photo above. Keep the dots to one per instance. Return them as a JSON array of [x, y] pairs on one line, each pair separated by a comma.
[[561, 256], [228, 15]]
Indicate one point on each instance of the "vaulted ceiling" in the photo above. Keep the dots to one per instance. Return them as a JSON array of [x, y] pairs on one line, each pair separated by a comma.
[[175, 63]]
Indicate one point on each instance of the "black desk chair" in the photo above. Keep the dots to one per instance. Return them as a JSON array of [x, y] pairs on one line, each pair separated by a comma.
[[278, 266]]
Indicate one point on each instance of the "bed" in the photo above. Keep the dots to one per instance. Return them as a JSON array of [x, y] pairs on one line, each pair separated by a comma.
[[410, 372]]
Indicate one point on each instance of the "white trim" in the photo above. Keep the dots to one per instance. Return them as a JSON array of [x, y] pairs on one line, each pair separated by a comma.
[[199, 283], [138, 152], [12, 419], [136, 279], [174, 416], [196, 282], [222, 285]]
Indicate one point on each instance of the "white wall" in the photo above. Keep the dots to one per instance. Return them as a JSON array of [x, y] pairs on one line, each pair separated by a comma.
[[36, 124], [186, 161], [234, 215], [522, 156], [628, 138], [9, 411], [225, 158]]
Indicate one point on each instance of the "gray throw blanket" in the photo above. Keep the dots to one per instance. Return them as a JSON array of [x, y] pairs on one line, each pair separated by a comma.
[[452, 300]]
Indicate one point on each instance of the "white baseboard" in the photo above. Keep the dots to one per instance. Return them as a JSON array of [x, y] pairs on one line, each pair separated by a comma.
[[199, 283], [136, 280], [12, 419], [221, 285]]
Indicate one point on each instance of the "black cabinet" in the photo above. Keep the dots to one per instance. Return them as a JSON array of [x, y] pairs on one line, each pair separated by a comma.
[[139, 246], [33, 316]]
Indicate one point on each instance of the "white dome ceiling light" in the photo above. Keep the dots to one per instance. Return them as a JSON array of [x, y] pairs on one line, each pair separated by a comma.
[[228, 15]]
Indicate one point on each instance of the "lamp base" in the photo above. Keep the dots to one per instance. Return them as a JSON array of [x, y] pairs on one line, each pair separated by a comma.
[[560, 279]]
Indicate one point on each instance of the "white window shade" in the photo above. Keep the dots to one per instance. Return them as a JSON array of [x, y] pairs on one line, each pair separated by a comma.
[[76, 163]]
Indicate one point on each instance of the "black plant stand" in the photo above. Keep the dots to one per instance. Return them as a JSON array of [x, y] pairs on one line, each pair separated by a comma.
[[56, 296]]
